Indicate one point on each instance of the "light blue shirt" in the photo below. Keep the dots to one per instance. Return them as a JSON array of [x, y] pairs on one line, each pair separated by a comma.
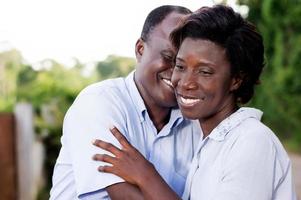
[[117, 102], [241, 159]]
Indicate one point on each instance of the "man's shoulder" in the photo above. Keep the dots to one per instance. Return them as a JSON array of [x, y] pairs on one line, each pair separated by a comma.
[[107, 86], [112, 96]]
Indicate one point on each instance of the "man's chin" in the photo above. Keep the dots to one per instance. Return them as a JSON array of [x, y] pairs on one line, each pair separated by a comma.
[[170, 104]]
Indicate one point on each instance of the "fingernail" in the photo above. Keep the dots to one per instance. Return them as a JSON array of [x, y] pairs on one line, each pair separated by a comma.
[[94, 141], [112, 127]]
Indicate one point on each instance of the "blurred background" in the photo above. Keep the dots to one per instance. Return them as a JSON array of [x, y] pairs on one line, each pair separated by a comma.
[[51, 49]]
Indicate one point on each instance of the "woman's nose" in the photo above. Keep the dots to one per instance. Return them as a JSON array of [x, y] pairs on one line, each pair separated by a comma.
[[188, 82]]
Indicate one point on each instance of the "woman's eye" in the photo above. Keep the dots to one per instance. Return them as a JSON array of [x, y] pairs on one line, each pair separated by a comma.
[[205, 72], [179, 67]]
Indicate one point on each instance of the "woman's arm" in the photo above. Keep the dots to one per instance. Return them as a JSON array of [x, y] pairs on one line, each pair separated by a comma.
[[124, 191], [129, 164]]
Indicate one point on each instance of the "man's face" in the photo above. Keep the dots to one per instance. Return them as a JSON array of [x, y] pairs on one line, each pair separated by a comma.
[[155, 62]]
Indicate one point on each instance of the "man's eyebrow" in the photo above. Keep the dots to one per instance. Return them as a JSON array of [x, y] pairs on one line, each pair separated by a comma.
[[167, 52]]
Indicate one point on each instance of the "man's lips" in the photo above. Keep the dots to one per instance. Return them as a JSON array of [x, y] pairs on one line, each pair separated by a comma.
[[167, 81]]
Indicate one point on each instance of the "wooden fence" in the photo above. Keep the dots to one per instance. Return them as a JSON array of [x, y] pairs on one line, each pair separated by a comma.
[[8, 175], [21, 155]]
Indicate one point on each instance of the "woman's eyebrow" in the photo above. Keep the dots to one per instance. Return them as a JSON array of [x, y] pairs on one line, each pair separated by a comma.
[[201, 62], [180, 59]]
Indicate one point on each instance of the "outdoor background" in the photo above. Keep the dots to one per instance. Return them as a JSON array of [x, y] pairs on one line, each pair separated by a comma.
[[50, 50]]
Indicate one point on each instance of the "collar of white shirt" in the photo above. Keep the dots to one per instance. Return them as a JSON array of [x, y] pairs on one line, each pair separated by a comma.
[[219, 133]]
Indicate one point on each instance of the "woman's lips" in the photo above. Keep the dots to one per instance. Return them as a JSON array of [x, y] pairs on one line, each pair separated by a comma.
[[188, 101]]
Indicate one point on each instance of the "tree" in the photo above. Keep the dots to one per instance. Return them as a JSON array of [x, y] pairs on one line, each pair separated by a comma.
[[115, 66], [280, 93], [10, 65]]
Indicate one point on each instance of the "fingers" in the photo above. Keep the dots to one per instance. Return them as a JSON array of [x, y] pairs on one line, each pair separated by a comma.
[[104, 157], [107, 146], [121, 139], [107, 159], [106, 169]]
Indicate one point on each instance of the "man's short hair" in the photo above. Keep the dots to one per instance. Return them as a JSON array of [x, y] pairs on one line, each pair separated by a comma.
[[156, 16]]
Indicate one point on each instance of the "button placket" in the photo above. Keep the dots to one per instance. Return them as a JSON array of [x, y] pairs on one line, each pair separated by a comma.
[[194, 167]]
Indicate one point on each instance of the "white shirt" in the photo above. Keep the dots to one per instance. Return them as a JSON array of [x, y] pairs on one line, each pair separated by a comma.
[[117, 102], [241, 159]]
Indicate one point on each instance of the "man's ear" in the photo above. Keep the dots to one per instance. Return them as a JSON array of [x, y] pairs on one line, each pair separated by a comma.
[[139, 48]]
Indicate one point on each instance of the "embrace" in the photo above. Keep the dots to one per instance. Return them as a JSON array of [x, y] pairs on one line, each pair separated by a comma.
[[175, 128]]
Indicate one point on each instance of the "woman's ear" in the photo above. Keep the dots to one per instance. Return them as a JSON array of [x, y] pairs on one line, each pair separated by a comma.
[[236, 82], [139, 48]]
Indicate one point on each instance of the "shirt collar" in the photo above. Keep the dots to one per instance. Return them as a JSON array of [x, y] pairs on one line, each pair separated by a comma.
[[219, 133], [176, 118], [135, 96]]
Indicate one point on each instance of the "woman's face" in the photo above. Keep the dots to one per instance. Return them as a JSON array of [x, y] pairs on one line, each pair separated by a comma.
[[202, 79]]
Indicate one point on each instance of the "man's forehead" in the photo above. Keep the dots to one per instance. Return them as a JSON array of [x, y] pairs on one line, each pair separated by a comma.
[[170, 22], [161, 42]]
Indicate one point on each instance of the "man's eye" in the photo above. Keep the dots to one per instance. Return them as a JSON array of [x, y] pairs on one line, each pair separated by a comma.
[[168, 58]]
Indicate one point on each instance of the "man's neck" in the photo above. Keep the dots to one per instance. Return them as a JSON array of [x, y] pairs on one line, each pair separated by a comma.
[[159, 116]]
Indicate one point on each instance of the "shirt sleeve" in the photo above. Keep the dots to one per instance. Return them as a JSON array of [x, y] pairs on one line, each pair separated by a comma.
[[251, 169], [89, 118]]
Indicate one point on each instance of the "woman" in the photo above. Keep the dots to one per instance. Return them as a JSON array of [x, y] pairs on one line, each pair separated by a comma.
[[219, 61]]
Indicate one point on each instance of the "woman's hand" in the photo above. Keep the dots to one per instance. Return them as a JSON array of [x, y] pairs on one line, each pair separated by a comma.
[[127, 163]]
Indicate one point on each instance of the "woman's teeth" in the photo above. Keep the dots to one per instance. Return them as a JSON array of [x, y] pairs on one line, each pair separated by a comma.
[[188, 101]]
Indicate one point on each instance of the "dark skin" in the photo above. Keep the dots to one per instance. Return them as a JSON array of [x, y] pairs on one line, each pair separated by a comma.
[[204, 88], [151, 184], [202, 74], [124, 191], [154, 69], [155, 59]]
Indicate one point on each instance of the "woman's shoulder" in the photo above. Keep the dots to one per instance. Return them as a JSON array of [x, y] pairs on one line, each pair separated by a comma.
[[258, 136]]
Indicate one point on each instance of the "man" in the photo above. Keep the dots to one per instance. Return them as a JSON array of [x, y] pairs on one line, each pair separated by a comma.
[[142, 107]]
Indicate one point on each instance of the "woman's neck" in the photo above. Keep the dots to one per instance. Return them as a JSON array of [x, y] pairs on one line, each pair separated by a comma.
[[209, 123]]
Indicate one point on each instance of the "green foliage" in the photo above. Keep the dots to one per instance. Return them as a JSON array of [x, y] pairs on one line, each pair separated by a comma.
[[10, 65], [115, 66], [279, 96], [51, 90]]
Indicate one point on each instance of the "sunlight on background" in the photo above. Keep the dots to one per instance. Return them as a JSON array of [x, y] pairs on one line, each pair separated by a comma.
[[85, 29], [65, 46]]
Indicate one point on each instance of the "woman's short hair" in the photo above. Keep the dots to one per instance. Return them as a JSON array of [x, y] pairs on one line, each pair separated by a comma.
[[240, 39]]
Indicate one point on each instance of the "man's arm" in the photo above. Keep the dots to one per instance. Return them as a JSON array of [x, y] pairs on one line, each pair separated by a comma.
[[87, 119]]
